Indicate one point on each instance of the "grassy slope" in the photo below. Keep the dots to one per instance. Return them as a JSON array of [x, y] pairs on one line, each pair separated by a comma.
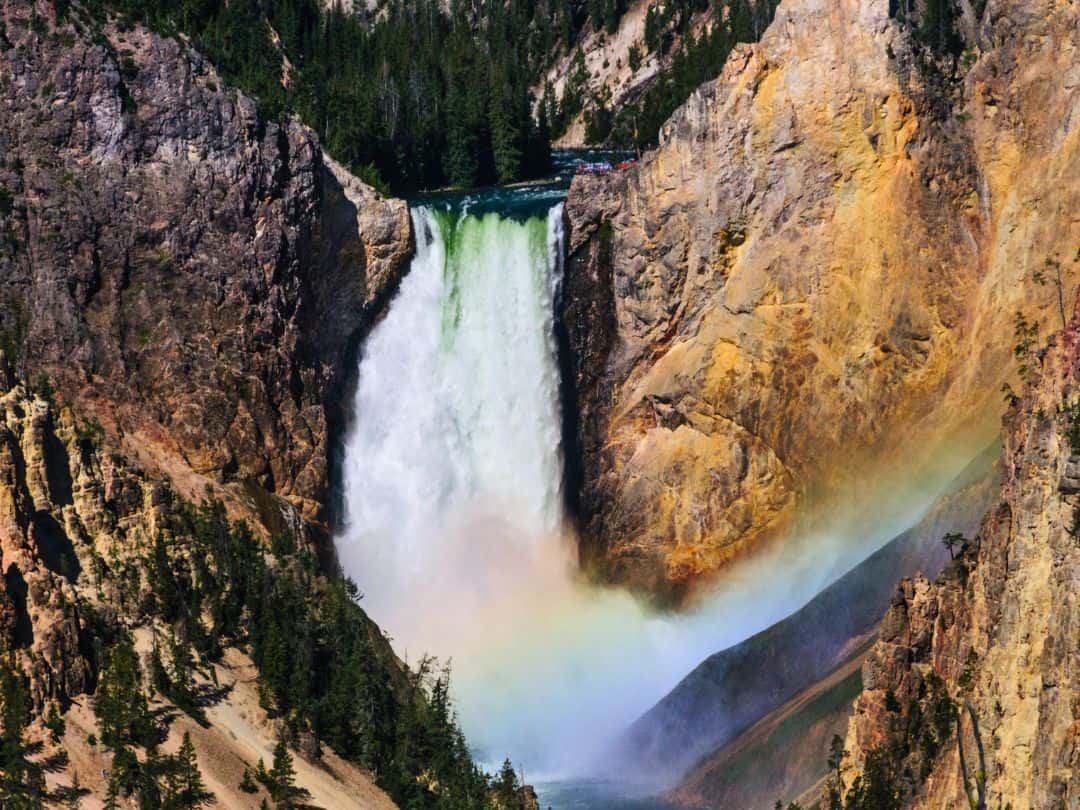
[[782, 756]]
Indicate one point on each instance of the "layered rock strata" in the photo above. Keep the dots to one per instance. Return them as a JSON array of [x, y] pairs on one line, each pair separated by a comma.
[[807, 295], [990, 646], [190, 275]]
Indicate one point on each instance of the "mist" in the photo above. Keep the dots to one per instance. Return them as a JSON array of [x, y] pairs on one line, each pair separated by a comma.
[[455, 530]]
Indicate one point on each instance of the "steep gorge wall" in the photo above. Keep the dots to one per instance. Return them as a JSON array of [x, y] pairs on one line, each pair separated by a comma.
[[182, 289], [187, 274], [77, 525], [990, 646], [805, 297], [680, 738]]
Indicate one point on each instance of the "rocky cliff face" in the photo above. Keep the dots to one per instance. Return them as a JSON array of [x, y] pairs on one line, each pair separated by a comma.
[[732, 689], [45, 494], [77, 522], [809, 290], [990, 647], [182, 286], [188, 275], [70, 511]]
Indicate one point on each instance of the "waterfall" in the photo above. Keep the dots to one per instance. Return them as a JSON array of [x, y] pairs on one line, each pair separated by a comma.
[[453, 468], [454, 515], [457, 431]]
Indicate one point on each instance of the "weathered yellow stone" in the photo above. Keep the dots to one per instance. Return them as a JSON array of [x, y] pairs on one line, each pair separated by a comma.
[[821, 265]]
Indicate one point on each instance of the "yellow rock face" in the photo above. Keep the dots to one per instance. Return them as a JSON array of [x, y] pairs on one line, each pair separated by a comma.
[[997, 630], [814, 281]]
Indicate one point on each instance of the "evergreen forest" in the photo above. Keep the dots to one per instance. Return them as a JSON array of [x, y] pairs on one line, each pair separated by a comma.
[[413, 95]]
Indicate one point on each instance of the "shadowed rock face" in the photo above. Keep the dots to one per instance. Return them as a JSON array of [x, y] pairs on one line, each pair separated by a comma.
[[191, 275], [779, 757], [183, 284], [809, 289]]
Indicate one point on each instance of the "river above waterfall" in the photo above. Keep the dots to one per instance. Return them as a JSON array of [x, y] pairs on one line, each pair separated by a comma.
[[522, 201]]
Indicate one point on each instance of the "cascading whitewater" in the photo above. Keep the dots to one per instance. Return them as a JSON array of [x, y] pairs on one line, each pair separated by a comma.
[[457, 416], [454, 511], [453, 476]]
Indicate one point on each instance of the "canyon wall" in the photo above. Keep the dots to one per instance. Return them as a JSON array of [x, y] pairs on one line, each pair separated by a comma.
[[728, 692], [971, 693], [802, 304], [189, 275], [77, 523], [182, 288]]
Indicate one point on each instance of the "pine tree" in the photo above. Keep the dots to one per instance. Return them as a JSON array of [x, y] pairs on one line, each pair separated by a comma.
[[742, 21], [54, 721], [146, 778], [247, 784], [937, 25], [953, 541], [507, 787], [652, 28], [598, 122], [186, 781], [262, 774], [21, 783], [119, 703], [505, 135], [613, 11], [162, 581], [159, 676], [112, 794], [182, 663], [282, 776], [74, 794]]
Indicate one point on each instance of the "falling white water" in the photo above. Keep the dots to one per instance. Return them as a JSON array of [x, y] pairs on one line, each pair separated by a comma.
[[456, 437], [454, 519]]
